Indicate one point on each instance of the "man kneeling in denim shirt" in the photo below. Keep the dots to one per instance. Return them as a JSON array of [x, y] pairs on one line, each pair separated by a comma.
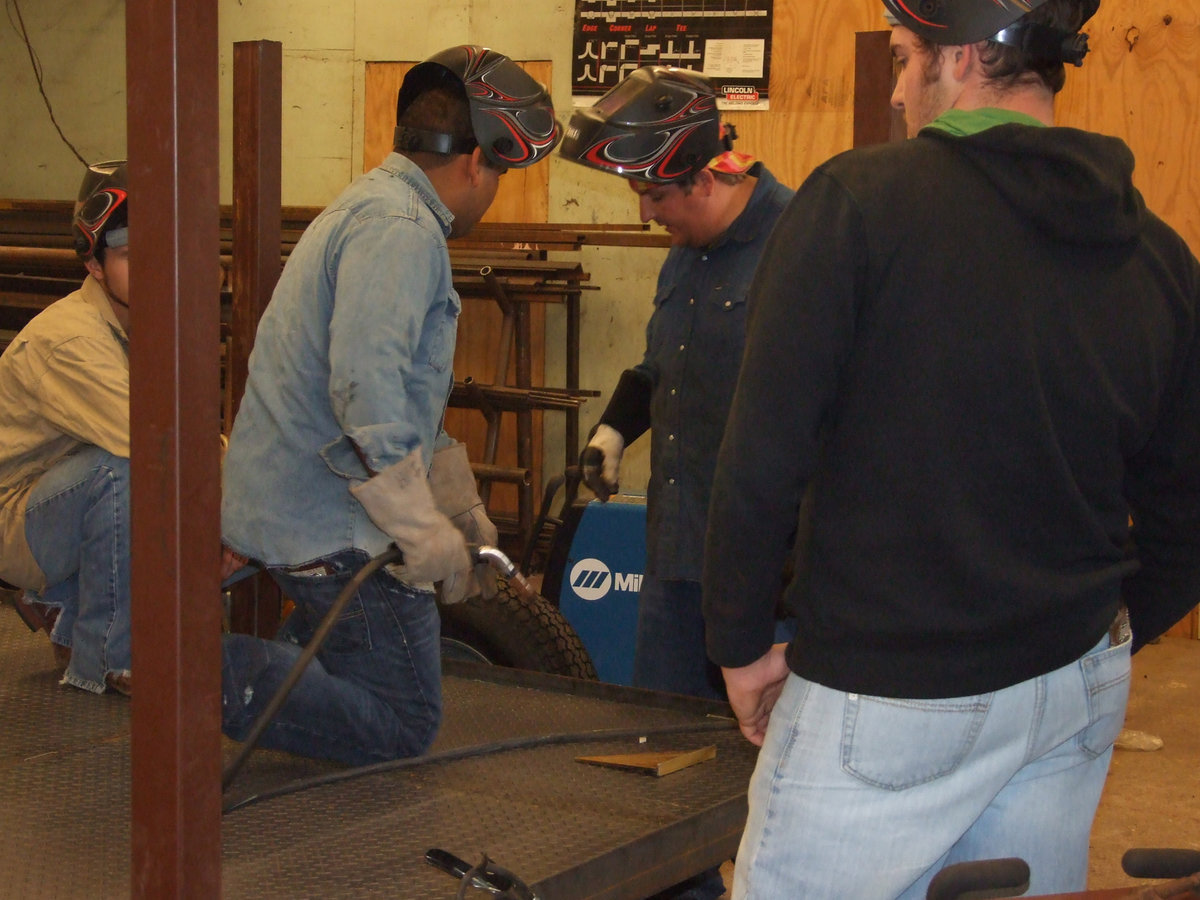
[[342, 420]]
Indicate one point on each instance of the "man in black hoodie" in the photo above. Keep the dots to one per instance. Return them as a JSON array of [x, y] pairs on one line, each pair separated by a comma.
[[994, 364]]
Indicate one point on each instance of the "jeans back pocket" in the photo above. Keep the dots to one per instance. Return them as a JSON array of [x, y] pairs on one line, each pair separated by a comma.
[[896, 744]]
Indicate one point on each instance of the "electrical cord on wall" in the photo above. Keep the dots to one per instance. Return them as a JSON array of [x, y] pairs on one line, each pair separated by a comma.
[[19, 28]]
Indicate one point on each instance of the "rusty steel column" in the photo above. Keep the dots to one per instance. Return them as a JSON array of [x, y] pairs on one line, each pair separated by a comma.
[[573, 322], [171, 74], [875, 121], [255, 603], [257, 244], [524, 379]]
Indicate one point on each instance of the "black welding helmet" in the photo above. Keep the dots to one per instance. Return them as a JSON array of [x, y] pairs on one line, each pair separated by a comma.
[[101, 216], [952, 22], [658, 125], [512, 115]]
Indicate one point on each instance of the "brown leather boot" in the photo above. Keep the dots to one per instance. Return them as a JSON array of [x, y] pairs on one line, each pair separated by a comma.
[[36, 616], [119, 682]]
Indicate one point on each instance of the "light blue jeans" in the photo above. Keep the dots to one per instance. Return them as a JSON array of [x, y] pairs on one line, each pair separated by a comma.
[[868, 797], [670, 656], [372, 693], [77, 526]]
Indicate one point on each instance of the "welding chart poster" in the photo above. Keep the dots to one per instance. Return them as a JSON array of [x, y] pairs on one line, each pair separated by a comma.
[[727, 40]]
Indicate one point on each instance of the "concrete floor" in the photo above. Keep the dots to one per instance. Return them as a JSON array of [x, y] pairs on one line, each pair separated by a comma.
[[1152, 798]]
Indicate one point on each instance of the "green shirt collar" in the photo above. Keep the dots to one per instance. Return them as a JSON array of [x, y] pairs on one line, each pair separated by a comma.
[[964, 122]]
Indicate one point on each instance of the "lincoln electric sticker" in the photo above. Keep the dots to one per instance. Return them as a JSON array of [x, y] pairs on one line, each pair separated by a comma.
[[727, 40]]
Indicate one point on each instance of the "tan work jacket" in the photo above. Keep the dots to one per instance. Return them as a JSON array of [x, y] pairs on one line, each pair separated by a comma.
[[64, 384]]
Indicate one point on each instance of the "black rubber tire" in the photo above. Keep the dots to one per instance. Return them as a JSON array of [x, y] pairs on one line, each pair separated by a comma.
[[515, 631]]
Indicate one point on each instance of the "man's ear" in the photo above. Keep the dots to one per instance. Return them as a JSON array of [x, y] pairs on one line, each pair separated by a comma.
[[962, 59], [94, 268], [704, 182], [475, 163]]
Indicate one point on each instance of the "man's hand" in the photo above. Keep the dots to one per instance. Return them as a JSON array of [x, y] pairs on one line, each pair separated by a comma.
[[753, 690], [600, 461]]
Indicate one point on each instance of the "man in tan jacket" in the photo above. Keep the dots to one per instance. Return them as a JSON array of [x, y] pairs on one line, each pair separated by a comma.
[[64, 451]]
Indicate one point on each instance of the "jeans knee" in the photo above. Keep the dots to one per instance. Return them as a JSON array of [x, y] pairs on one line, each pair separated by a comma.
[[113, 473], [244, 659], [420, 732]]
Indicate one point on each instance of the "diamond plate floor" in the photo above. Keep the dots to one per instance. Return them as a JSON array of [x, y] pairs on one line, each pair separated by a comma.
[[567, 829]]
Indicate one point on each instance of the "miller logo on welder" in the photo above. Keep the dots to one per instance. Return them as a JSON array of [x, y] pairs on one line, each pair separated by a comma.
[[600, 579]]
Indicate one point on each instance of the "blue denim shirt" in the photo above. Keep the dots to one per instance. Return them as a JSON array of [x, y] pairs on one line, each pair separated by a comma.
[[693, 353], [356, 345]]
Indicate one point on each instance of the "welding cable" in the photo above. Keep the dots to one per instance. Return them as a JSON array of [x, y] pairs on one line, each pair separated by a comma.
[[712, 723], [391, 555]]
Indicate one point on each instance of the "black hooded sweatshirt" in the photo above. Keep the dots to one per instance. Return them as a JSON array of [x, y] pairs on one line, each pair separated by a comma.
[[981, 356]]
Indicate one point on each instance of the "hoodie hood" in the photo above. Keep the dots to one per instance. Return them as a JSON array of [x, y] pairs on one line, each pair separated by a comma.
[[1077, 185]]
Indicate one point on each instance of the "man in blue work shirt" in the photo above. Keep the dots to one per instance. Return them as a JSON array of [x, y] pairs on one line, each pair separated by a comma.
[[660, 129], [342, 419]]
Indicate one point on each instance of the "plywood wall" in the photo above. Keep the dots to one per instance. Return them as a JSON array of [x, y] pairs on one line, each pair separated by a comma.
[[1141, 82]]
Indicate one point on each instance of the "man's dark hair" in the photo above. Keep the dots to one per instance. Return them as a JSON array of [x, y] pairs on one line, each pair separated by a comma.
[[1007, 67], [687, 182], [443, 109]]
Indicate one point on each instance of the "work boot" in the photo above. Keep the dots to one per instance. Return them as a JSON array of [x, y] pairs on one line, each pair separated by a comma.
[[121, 682], [36, 616], [41, 617]]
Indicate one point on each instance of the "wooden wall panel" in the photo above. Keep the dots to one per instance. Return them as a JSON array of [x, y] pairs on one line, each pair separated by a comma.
[[523, 197], [1141, 82], [812, 87]]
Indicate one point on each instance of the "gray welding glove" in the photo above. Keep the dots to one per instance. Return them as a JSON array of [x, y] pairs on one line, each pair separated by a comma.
[[453, 485], [600, 461], [401, 505]]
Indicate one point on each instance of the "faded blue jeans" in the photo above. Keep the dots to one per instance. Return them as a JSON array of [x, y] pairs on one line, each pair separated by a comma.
[[77, 526], [857, 796], [372, 693]]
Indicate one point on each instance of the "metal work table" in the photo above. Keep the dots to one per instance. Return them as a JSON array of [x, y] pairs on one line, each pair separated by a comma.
[[567, 829]]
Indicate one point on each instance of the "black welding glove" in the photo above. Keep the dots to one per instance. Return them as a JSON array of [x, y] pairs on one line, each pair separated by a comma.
[[625, 419]]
